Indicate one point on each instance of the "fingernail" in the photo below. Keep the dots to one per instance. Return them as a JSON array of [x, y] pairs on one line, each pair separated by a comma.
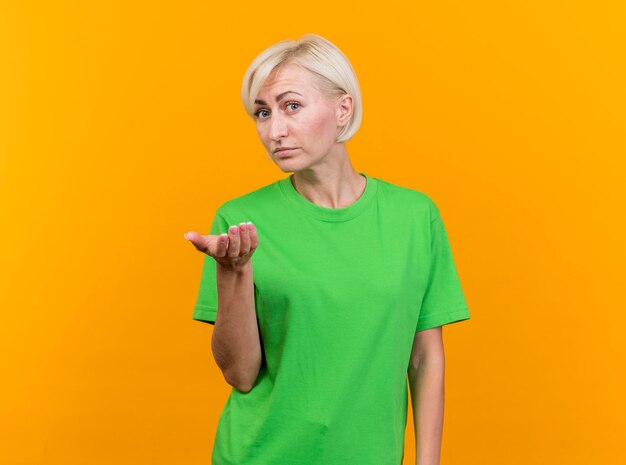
[[186, 236], [233, 229]]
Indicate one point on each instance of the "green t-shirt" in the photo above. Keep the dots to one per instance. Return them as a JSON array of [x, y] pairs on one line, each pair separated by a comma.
[[339, 295]]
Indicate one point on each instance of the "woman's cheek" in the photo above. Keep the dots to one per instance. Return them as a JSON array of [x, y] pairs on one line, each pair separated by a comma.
[[318, 126]]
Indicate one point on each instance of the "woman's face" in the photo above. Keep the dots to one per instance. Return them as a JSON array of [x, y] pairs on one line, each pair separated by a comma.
[[291, 112]]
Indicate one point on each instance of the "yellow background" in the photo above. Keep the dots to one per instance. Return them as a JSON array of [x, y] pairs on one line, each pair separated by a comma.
[[121, 128]]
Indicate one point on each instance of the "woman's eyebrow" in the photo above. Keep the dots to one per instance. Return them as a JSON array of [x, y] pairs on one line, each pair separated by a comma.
[[278, 97]]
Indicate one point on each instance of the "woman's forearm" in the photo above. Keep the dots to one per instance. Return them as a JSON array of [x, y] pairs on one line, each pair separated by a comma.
[[236, 342], [426, 381]]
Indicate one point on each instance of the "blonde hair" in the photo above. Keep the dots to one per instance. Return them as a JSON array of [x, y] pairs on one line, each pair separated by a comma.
[[333, 74]]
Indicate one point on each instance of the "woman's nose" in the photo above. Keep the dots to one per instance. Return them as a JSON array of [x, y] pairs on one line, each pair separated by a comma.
[[278, 127]]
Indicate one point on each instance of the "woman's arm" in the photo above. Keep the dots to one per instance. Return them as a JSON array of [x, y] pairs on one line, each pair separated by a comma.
[[236, 342], [426, 381]]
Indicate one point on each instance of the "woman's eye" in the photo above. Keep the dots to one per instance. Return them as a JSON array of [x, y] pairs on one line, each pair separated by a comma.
[[258, 113]]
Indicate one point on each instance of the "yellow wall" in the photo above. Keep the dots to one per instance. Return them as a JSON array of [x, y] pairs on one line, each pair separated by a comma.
[[121, 128]]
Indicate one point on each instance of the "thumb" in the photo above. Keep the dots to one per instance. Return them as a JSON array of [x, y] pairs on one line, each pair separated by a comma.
[[198, 241]]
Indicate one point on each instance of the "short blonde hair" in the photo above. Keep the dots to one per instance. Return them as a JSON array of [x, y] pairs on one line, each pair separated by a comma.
[[333, 74]]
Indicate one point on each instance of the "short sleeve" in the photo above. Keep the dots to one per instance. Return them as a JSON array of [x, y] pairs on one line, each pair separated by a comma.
[[206, 302], [443, 300]]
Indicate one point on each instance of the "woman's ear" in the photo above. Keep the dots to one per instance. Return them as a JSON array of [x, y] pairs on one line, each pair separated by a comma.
[[344, 109]]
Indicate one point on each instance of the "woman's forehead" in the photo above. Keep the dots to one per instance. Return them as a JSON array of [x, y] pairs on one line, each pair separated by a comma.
[[288, 77]]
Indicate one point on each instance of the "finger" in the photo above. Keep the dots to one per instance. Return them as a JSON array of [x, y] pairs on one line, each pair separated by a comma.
[[244, 237], [254, 239], [233, 241], [198, 241], [220, 245]]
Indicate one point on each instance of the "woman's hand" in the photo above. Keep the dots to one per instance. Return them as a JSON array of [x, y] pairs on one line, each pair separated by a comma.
[[231, 250]]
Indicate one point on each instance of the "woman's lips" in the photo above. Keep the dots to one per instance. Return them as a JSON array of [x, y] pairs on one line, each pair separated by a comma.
[[285, 151]]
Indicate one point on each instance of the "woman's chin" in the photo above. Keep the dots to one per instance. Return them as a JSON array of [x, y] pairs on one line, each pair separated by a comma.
[[285, 162], [285, 168]]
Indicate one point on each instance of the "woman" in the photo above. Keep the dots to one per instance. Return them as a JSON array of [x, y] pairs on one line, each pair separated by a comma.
[[331, 285]]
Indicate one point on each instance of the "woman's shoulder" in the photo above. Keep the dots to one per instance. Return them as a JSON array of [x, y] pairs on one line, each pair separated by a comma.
[[255, 199], [408, 197]]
